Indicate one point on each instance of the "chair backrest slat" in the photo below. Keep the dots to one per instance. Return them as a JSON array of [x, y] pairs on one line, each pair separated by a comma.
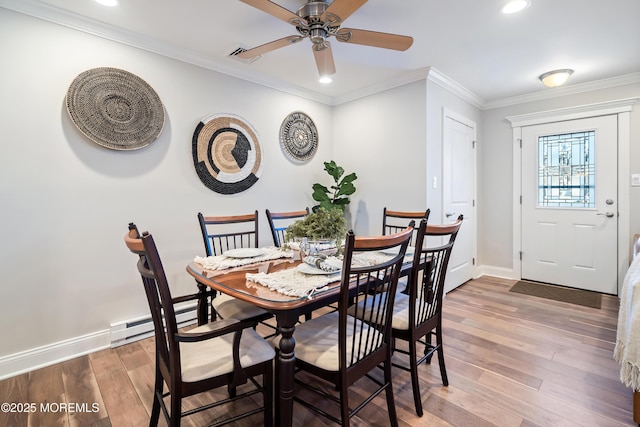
[[279, 221], [396, 221], [428, 275], [158, 295], [222, 233], [359, 343]]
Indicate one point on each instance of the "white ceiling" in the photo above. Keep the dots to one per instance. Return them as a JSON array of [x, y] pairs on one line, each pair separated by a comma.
[[469, 42]]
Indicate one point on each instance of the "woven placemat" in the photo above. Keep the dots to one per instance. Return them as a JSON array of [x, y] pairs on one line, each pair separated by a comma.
[[115, 109], [558, 293]]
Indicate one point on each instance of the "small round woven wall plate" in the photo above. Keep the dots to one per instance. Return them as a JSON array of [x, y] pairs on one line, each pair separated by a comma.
[[115, 109], [226, 153], [298, 137]]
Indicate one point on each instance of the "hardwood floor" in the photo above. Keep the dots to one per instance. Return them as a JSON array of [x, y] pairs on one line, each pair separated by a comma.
[[512, 360]]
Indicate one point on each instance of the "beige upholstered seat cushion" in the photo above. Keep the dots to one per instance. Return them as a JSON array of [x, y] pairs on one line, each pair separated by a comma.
[[214, 357], [400, 318], [317, 341], [229, 307]]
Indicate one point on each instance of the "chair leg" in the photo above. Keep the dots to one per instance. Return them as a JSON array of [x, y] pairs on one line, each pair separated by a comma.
[[232, 391], [157, 393], [176, 409], [415, 382], [428, 340], [267, 394], [391, 404], [443, 369], [344, 405]]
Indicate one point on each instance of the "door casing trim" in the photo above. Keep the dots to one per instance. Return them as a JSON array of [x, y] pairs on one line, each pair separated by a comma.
[[621, 108]]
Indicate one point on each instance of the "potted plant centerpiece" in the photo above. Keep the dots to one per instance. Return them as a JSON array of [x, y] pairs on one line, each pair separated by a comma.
[[326, 225]]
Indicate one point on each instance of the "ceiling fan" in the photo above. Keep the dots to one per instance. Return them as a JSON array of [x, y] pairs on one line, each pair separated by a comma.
[[319, 20]]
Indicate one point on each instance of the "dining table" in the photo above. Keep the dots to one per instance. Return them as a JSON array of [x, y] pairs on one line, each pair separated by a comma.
[[237, 282]]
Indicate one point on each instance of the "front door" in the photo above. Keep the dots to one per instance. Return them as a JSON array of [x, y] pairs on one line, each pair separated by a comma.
[[459, 193], [569, 203]]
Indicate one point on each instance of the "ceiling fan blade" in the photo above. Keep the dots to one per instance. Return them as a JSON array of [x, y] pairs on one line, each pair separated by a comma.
[[275, 10], [268, 47], [324, 59], [374, 38], [341, 9]]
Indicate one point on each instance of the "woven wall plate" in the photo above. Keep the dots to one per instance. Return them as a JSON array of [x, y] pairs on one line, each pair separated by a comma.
[[226, 153], [298, 137], [115, 109]]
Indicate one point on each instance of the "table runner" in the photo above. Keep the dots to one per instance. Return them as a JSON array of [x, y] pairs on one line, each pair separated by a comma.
[[221, 262], [295, 283]]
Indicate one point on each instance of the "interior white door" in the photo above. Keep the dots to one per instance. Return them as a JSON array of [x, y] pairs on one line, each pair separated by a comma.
[[458, 194], [569, 203]]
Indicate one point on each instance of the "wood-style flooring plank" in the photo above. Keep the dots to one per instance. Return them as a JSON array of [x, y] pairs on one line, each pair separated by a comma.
[[513, 361], [81, 387], [120, 398]]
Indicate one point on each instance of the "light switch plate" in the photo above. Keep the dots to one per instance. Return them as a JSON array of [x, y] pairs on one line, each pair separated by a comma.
[[635, 180]]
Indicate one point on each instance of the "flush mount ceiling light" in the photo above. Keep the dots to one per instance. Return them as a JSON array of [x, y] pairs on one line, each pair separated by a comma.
[[556, 77], [515, 6]]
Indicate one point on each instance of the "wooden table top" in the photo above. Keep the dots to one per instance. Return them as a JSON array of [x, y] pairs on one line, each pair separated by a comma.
[[233, 282]]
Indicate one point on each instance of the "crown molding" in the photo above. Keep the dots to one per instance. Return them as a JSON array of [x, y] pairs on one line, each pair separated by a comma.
[[81, 23], [87, 25], [399, 80], [570, 113], [565, 90], [455, 87]]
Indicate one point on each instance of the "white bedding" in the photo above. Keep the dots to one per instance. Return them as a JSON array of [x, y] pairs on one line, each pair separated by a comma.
[[627, 350]]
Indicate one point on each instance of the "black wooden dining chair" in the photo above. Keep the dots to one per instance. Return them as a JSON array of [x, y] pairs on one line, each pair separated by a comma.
[[417, 316], [339, 348], [223, 233], [222, 353], [395, 221], [279, 221]]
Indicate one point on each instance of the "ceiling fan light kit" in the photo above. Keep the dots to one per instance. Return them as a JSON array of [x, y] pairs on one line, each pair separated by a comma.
[[319, 20]]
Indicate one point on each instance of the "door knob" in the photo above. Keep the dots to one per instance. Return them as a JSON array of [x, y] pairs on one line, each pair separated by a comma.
[[607, 214], [449, 214]]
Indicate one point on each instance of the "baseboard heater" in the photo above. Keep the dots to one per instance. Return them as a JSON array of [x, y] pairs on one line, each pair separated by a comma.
[[142, 327]]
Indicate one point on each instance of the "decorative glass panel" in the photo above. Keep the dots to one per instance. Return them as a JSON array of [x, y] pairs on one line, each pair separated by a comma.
[[566, 170]]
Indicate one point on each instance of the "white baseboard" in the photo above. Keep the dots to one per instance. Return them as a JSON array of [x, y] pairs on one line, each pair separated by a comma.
[[503, 273], [36, 358]]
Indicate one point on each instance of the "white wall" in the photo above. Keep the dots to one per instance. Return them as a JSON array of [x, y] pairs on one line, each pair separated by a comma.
[[66, 201], [438, 99], [382, 138], [495, 237]]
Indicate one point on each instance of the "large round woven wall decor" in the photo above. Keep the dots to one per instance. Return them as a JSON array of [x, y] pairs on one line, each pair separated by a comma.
[[298, 137], [115, 109], [226, 153]]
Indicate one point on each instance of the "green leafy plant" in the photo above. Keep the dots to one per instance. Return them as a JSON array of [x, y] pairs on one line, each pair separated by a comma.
[[334, 197], [319, 225]]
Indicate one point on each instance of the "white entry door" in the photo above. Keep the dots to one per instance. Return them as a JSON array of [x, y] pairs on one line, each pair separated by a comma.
[[569, 203], [459, 193]]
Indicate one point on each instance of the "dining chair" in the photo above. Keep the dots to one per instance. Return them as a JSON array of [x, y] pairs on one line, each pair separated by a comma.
[[417, 316], [279, 221], [395, 221], [223, 353], [339, 348], [222, 233]]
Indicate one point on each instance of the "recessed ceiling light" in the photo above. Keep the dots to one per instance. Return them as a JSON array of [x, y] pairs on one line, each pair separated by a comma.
[[110, 3], [325, 79], [515, 6]]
